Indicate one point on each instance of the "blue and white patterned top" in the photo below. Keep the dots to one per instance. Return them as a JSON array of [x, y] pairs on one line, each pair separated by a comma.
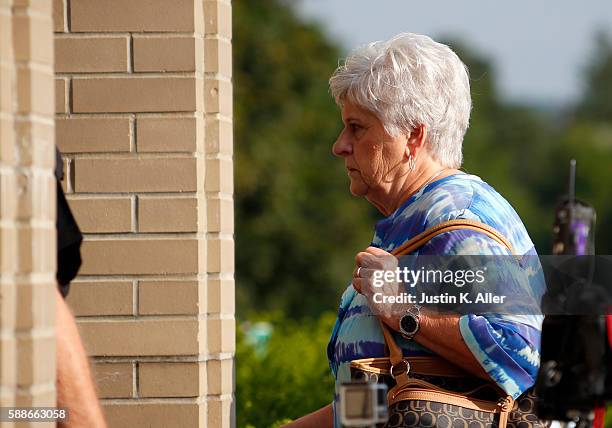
[[507, 346]]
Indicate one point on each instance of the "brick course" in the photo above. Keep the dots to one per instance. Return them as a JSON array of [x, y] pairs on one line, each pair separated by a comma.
[[154, 53], [172, 379], [103, 215], [114, 380], [156, 414], [133, 94], [61, 86], [92, 135], [135, 15], [139, 256], [163, 134], [99, 298], [91, 54], [140, 337], [160, 214], [120, 175], [168, 297]]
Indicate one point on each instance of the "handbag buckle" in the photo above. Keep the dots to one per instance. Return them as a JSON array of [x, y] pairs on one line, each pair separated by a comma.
[[505, 404], [403, 367]]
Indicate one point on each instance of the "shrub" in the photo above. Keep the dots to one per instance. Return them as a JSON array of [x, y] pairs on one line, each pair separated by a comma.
[[290, 378]]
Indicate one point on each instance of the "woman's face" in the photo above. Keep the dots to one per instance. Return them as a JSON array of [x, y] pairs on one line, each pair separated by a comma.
[[372, 157]]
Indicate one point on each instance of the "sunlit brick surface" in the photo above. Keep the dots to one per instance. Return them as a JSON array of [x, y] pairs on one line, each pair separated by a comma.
[[144, 114]]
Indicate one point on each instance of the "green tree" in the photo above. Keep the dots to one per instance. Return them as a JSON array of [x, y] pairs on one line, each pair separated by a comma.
[[291, 379], [596, 102], [297, 226], [588, 138], [508, 146]]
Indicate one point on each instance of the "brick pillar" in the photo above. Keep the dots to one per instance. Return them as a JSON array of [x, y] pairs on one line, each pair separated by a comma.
[[220, 211], [27, 206], [144, 116]]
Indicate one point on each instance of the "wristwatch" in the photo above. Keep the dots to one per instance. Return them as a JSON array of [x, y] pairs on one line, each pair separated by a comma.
[[409, 322]]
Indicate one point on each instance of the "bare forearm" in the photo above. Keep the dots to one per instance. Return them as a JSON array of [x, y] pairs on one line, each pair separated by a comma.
[[322, 418], [75, 388], [441, 335]]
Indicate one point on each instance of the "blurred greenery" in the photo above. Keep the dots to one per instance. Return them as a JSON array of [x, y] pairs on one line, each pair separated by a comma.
[[296, 229], [291, 379], [297, 226]]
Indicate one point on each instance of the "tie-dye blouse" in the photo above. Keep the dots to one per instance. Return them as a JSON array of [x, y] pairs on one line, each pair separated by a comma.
[[507, 346]]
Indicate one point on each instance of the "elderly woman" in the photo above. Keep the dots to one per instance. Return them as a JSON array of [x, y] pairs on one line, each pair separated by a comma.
[[405, 108]]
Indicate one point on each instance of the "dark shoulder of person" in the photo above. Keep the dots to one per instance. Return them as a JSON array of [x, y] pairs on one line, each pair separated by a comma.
[[69, 236]]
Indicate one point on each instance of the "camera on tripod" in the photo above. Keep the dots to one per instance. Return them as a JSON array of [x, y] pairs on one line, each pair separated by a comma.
[[363, 404], [574, 382]]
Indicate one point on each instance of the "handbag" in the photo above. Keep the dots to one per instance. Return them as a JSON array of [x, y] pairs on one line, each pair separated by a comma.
[[427, 392]]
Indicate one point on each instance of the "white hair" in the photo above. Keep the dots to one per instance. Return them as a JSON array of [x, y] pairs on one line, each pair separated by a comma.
[[407, 81]]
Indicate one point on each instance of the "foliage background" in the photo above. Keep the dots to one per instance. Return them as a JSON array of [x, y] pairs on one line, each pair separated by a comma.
[[297, 226]]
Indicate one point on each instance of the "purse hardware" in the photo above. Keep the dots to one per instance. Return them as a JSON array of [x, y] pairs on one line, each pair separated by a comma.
[[402, 364]]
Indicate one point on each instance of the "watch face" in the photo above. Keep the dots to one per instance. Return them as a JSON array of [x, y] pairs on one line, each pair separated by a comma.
[[409, 324]]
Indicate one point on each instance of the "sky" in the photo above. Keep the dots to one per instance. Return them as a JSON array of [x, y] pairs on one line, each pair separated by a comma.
[[538, 48]]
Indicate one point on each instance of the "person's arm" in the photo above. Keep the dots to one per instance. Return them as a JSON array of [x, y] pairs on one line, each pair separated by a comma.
[[75, 387], [322, 418], [510, 358], [442, 335]]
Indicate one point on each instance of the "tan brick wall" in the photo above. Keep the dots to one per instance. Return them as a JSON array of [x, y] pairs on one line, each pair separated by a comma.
[[27, 206], [144, 119]]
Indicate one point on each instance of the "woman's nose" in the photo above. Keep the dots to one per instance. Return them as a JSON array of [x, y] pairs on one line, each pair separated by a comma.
[[343, 146]]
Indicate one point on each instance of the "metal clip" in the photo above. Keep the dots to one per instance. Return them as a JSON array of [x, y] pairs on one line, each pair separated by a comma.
[[396, 370], [505, 404]]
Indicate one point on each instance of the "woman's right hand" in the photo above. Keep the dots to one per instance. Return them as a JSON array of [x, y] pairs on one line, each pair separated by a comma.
[[369, 279]]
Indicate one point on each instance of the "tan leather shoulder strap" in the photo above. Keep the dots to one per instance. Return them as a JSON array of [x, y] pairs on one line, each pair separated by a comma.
[[447, 226], [395, 352]]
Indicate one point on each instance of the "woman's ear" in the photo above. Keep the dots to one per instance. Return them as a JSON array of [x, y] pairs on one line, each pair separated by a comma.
[[417, 136]]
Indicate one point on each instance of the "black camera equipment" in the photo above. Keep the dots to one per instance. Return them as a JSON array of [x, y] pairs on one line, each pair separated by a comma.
[[575, 377]]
